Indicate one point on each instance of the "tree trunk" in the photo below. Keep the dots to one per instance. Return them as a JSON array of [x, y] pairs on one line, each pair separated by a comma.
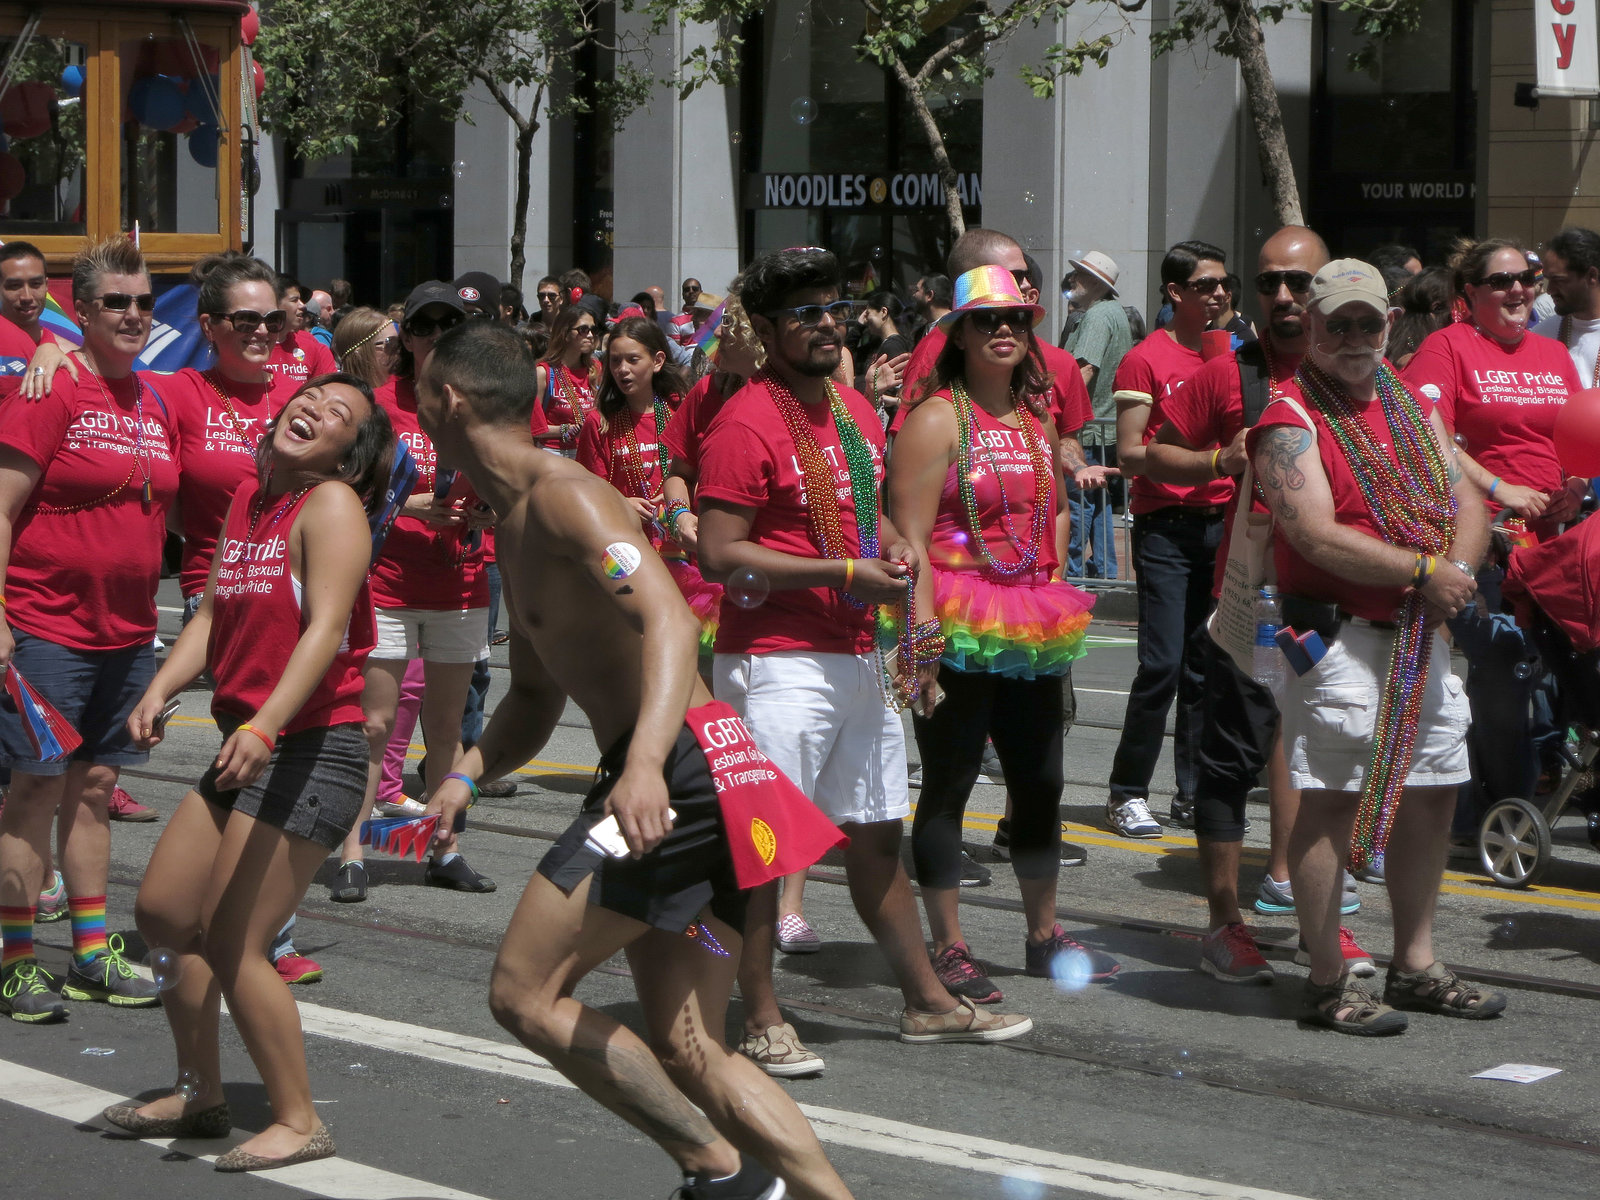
[[1272, 146], [519, 212], [941, 156]]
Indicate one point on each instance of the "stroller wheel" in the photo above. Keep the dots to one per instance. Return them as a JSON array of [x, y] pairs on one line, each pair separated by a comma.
[[1514, 843]]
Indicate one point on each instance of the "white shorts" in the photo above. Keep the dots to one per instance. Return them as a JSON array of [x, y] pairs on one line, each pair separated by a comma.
[[1329, 714], [450, 636], [821, 718]]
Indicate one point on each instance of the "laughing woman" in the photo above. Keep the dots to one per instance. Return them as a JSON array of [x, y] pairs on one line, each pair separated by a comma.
[[284, 625]]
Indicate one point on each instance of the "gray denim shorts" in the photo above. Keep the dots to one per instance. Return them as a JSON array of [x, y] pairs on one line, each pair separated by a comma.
[[313, 786]]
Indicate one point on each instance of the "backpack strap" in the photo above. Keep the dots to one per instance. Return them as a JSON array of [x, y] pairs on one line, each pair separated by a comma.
[[1255, 381]]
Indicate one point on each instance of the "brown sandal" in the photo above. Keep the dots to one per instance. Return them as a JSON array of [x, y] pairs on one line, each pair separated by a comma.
[[1440, 990], [1346, 1005]]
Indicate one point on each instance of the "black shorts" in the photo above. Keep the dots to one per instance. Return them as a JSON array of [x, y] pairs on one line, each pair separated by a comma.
[[1240, 725], [673, 884], [314, 784]]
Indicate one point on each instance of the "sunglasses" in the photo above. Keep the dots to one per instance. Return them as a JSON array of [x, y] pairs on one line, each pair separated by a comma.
[[426, 326], [1365, 326], [1022, 279], [583, 330], [1501, 281], [119, 301], [390, 344], [810, 316], [1206, 283], [989, 320], [247, 320], [1268, 282], [543, 296]]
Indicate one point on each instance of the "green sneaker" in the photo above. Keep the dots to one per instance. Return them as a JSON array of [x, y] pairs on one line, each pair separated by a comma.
[[25, 993], [110, 977]]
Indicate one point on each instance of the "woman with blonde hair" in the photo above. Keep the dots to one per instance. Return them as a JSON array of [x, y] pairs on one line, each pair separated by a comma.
[[367, 345]]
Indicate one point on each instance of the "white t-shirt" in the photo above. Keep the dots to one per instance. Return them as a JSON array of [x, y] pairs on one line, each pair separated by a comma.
[[1585, 345]]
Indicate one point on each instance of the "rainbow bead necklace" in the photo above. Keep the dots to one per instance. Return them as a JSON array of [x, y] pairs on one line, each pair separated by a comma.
[[1027, 554], [633, 468], [1413, 505]]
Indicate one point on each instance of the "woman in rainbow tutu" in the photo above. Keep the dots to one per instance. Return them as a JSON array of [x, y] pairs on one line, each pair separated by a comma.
[[974, 484]]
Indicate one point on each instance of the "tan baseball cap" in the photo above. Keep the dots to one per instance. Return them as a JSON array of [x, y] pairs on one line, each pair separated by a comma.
[[1346, 281]]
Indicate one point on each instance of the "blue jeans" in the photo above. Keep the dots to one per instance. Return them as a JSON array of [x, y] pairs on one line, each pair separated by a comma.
[[1092, 523], [478, 691], [1174, 556]]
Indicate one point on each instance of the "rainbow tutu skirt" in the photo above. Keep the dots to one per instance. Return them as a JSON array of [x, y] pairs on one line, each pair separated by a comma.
[[1019, 630], [704, 599]]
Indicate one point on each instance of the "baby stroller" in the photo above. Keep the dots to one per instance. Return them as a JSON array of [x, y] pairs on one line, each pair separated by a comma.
[[1554, 590]]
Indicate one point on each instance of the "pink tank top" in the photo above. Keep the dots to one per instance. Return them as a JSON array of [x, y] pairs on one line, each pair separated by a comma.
[[256, 620], [1004, 488]]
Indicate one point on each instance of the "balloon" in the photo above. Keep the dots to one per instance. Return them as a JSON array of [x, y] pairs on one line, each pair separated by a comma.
[[157, 101], [25, 108], [249, 26], [72, 80], [260, 78], [13, 177], [198, 100], [203, 145], [1577, 433], [187, 125]]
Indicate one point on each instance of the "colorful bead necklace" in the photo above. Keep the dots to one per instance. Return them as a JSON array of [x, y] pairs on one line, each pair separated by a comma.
[[816, 476], [1413, 505], [259, 506], [233, 414], [141, 459], [1566, 340], [633, 468], [579, 399], [1032, 438]]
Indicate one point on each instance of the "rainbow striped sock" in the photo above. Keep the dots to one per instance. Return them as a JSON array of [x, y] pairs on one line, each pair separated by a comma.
[[16, 925], [88, 915]]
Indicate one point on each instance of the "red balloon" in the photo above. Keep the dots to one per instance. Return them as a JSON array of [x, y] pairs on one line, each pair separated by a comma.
[[260, 78], [13, 176], [249, 26], [25, 108], [1577, 433]]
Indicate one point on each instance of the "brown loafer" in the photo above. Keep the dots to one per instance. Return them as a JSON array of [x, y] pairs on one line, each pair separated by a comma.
[[320, 1145]]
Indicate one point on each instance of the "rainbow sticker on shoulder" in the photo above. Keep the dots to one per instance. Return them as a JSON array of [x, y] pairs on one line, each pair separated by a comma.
[[620, 560]]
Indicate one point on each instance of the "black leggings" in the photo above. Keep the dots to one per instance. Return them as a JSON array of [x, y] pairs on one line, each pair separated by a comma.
[[1024, 717]]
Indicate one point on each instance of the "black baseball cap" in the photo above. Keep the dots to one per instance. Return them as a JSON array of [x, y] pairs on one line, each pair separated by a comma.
[[479, 289], [433, 291]]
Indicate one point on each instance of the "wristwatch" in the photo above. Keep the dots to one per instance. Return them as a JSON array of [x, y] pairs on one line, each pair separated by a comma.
[[1465, 568]]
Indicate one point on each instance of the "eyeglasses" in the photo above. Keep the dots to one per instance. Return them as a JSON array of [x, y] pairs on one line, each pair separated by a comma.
[[1206, 283], [1365, 326], [247, 320], [426, 326], [1268, 282], [119, 301], [989, 320], [1501, 281], [810, 316]]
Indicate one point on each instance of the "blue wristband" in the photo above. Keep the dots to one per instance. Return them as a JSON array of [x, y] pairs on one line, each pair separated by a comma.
[[472, 785], [1494, 485]]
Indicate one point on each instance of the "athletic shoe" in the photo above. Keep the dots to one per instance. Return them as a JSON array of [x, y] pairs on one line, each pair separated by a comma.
[[350, 884], [753, 1182], [1357, 961], [974, 873], [964, 1023], [959, 972], [1132, 819], [111, 978], [1231, 955], [297, 968], [1181, 814], [124, 807], [795, 935], [779, 1052], [914, 776], [52, 904], [457, 875], [499, 789], [403, 807], [1072, 854], [1045, 960], [990, 768], [1275, 897], [26, 994], [1373, 871]]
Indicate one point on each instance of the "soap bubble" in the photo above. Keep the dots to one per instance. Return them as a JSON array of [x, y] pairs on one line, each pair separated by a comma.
[[187, 1088], [1028, 197], [955, 99], [163, 964], [803, 111], [1507, 931], [1183, 1064], [748, 587], [458, 168], [736, 137], [1071, 970], [1023, 1184]]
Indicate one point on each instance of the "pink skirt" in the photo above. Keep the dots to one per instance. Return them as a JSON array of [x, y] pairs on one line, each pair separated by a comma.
[[704, 599]]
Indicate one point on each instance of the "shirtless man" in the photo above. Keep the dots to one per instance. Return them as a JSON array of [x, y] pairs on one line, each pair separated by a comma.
[[595, 614]]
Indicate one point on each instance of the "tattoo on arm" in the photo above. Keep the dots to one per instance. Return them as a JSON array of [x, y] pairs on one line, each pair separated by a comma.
[[1281, 470], [1452, 469]]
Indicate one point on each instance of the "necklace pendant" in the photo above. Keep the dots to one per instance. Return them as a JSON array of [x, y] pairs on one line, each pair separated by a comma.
[[146, 498]]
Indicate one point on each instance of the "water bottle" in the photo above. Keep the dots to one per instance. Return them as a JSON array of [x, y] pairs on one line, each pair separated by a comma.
[[1267, 660]]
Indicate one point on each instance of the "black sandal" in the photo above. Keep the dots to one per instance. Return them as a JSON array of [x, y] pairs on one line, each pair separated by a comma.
[[1347, 1006], [1440, 990]]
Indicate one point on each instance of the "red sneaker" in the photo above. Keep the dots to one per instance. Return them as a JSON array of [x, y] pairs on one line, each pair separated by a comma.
[[1357, 961], [125, 808], [297, 968], [1231, 955]]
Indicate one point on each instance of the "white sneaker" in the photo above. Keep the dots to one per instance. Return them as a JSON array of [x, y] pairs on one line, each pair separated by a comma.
[[1132, 819], [403, 807]]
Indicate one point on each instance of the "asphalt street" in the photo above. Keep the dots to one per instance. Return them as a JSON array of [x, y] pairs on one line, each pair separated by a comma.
[[1160, 1084]]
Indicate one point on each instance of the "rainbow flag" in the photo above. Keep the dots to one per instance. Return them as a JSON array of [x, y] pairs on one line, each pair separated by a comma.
[[55, 319], [707, 337]]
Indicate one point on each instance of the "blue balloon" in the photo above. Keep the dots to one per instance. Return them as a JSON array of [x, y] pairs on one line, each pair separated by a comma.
[[203, 145], [157, 101], [72, 80], [197, 101]]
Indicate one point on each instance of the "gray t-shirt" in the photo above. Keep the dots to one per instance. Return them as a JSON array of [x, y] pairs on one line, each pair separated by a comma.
[[1101, 338]]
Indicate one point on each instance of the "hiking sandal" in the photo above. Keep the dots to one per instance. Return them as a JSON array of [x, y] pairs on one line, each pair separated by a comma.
[[1347, 1006], [1440, 990]]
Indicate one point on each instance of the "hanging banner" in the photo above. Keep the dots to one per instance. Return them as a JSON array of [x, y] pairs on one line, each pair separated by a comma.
[[1568, 42]]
